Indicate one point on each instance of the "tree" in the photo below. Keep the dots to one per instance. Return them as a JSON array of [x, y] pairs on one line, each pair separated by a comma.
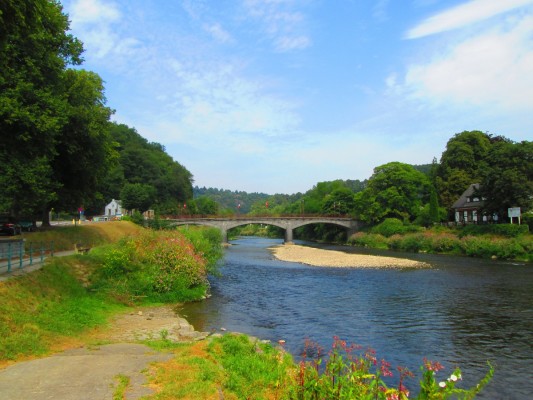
[[395, 190], [340, 201], [461, 164], [35, 49], [85, 150], [137, 196], [147, 163], [508, 178], [206, 206]]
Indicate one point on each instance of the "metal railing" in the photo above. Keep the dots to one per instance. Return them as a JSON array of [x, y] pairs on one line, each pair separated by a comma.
[[18, 253]]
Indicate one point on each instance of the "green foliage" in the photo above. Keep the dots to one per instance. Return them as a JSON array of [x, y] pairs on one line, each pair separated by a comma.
[[206, 206], [461, 164], [395, 190], [253, 369], [339, 202], [137, 196], [353, 373], [162, 266], [207, 243], [35, 50], [507, 230], [372, 240], [508, 177], [54, 304], [446, 241], [392, 226]]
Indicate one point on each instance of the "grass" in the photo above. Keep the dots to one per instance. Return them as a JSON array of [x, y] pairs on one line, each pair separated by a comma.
[[123, 383], [39, 310], [229, 367], [92, 234]]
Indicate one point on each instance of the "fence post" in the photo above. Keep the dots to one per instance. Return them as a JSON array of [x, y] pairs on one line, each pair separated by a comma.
[[9, 257], [31, 253], [21, 253], [42, 251]]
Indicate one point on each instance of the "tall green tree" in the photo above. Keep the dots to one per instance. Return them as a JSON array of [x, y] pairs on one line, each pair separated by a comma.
[[461, 164], [339, 202], [85, 149], [147, 163], [395, 190], [137, 196], [35, 49], [508, 177]]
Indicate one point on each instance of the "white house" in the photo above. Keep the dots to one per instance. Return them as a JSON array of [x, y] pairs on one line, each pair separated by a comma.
[[113, 209]]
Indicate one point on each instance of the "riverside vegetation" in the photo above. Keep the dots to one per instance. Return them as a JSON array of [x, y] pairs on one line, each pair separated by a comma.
[[60, 305], [501, 241]]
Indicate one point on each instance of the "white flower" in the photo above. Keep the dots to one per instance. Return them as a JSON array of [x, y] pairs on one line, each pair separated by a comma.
[[442, 384], [452, 378]]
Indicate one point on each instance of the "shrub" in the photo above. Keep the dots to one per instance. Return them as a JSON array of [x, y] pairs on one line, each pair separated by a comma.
[[368, 240], [475, 246], [507, 230], [160, 265], [392, 226], [445, 243], [389, 227]]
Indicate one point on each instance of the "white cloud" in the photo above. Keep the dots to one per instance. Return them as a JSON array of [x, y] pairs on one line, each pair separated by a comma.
[[284, 26], [491, 71], [463, 15], [93, 11], [213, 104], [218, 33]]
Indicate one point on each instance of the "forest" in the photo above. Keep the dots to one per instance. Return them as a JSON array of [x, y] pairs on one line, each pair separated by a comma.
[[60, 151]]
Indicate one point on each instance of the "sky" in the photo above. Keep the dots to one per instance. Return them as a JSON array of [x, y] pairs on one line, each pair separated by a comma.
[[274, 96]]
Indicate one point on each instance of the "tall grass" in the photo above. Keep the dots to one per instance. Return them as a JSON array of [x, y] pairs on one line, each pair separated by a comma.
[[92, 234], [440, 241]]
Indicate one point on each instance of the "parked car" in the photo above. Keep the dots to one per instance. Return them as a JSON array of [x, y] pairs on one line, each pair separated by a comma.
[[8, 226], [27, 226]]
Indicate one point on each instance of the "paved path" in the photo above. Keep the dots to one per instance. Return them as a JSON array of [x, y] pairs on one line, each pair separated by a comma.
[[26, 267], [88, 374]]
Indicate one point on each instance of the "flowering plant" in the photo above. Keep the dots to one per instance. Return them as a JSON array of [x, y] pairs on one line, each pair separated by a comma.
[[350, 373]]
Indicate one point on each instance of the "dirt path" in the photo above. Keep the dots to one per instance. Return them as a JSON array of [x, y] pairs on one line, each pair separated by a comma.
[[90, 372]]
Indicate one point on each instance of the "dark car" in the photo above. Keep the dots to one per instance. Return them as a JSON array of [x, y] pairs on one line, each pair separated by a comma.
[[8, 226], [27, 226]]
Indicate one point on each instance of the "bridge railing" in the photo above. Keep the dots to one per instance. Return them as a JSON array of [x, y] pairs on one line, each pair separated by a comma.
[[252, 216]]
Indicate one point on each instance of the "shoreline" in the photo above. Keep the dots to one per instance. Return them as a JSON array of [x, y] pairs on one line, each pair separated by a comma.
[[338, 259]]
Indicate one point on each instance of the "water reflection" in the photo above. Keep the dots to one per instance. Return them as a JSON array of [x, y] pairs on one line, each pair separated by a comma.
[[461, 311]]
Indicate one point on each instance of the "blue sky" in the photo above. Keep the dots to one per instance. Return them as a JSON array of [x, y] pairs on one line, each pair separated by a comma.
[[274, 96]]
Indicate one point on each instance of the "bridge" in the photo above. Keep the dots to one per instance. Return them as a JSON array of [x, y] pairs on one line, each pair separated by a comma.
[[286, 223]]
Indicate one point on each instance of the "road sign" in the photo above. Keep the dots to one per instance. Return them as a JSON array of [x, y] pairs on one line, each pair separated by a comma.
[[514, 212]]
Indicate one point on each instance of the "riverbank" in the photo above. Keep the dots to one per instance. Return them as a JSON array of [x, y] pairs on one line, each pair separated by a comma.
[[333, 258]]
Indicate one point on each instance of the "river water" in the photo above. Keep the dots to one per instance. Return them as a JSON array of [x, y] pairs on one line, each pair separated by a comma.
[[462, 311]]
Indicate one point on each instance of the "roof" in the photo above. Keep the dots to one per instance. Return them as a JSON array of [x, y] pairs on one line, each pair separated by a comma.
[[463, 201]]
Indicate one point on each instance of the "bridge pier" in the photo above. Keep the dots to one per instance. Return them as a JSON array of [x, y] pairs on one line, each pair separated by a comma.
[[288, 236]]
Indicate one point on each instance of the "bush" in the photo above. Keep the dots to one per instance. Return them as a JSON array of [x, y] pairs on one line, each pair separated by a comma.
[[445, 243], [393, 226], [160, 265], [368, 240], [507, 230]]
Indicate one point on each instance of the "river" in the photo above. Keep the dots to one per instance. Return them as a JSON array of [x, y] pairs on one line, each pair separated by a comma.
[[462, 311]]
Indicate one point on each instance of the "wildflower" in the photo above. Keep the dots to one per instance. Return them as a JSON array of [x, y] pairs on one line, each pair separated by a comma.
[[442, 384], [452, 378]]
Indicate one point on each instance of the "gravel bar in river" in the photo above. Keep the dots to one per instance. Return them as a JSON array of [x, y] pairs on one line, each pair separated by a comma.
[[333, 258]]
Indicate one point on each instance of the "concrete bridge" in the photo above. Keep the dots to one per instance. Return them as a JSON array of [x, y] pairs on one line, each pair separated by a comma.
[[286, 223]]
